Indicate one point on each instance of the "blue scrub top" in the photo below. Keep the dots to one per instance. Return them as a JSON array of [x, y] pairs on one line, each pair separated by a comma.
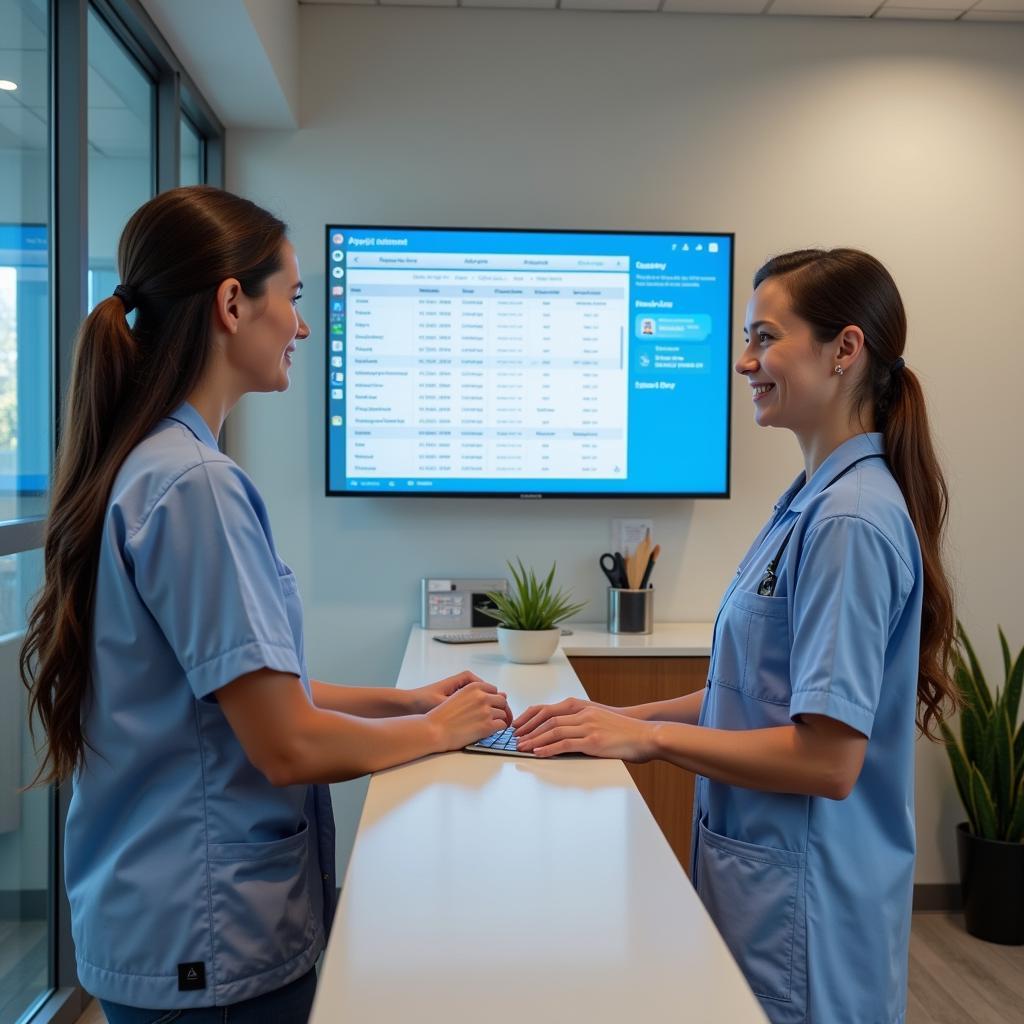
[[193, 881], [813, 896]]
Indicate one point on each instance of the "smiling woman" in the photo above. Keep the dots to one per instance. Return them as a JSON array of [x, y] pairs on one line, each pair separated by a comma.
[[833, 636], [169, 636], [791, 385], [257, 355]]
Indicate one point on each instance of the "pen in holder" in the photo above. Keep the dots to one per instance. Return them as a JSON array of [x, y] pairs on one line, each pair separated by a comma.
[[630, 611]]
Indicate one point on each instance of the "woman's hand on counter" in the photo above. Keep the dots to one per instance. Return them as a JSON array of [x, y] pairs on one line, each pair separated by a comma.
[[425, 698], [537, 714], [472, 711], [590, 729]]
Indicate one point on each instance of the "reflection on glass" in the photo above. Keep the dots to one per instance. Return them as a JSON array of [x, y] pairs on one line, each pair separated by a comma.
[[191, 171], [25, 440], [121, 150], [25, 970]]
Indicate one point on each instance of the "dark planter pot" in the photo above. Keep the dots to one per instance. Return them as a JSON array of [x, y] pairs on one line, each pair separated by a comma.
[[992, 883]]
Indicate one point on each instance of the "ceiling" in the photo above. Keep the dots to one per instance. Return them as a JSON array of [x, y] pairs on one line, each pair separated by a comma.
[[120, 96], [120, 104], [23, 113], [934, 10]]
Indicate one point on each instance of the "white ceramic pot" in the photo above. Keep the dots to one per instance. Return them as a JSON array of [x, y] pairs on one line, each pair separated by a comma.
[[528, 646]]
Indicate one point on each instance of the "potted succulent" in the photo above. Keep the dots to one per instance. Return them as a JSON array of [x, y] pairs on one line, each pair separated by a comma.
[[528, 616], [988, 766]]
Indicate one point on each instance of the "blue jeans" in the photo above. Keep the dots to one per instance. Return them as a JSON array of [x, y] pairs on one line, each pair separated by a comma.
[[288, 1005]]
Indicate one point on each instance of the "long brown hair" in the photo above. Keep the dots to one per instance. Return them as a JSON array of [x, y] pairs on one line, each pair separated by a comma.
[[833, 289], [173, 254]]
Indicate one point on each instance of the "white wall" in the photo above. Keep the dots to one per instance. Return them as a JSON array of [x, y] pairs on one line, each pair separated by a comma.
[[242, 55], [904, 138], [277, 26]]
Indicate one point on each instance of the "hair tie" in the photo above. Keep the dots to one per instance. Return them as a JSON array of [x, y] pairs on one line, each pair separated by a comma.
[[127, 296], [898, 365]]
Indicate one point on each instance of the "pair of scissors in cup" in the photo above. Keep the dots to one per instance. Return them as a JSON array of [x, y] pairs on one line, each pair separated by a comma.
[[614, 568]]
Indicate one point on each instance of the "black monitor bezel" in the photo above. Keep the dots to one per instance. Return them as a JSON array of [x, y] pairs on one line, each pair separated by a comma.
[[526, 495]]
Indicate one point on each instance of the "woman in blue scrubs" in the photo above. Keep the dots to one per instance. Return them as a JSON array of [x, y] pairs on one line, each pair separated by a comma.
[[165, 655], [830, 646]]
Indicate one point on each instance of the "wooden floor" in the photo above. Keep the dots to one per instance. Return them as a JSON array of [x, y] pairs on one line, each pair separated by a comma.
[[957, 979], [92, 1015], [954, 978]]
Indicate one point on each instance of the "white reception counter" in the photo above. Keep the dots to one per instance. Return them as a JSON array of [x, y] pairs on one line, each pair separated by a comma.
[[495, 889]]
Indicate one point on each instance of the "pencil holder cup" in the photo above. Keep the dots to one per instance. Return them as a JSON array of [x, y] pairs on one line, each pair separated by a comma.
[[630, 611]]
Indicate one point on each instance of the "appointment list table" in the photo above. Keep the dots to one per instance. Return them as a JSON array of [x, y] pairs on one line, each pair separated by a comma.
[[502, 372]]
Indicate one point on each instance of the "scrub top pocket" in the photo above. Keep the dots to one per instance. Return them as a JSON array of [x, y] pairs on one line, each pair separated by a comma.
[[261, 907], [755, 895], [754, 645], [289, 585]]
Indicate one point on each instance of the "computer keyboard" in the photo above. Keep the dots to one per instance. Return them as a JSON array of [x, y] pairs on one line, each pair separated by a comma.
[[501, 742], [471, 636], [476, 636]]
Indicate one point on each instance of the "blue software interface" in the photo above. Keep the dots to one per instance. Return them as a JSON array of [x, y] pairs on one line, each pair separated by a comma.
[[527, 362]]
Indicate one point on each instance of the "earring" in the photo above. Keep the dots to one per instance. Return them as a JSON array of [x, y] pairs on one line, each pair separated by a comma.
[[839, 370]]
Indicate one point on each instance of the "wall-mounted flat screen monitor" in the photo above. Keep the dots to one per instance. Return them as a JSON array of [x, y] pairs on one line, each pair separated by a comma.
[[527, 363]]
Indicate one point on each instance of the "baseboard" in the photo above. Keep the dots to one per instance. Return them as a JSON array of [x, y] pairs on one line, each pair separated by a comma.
[[937, 897]]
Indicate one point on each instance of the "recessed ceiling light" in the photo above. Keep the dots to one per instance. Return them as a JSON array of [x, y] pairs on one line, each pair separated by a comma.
[[8, 86]]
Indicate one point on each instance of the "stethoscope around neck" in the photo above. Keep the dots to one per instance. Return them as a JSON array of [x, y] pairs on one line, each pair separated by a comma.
[[769, 579]]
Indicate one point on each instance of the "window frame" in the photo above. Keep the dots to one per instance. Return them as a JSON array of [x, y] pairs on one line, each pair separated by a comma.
[[176, 95], [184, 121]]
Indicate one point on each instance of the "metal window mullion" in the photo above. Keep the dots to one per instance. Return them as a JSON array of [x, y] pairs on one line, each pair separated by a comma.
[[69, 201], [133, 26], [138, 31], [69, 252], [23, 535], [117, 17], [168, 131], [214, 147]]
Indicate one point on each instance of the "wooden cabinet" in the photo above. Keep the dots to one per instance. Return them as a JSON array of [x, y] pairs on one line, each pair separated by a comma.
[[667, 789]]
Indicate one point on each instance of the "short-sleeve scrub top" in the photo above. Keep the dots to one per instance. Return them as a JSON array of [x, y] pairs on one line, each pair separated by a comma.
[[812, 895], [192, 880]]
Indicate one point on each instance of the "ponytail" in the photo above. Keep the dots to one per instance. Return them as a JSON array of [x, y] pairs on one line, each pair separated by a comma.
[[54, 658], [832, 289], [911, 457], [173, 254]]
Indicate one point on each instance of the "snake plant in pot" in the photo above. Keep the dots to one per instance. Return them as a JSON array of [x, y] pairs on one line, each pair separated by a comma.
[[988, 767], [528, 615]]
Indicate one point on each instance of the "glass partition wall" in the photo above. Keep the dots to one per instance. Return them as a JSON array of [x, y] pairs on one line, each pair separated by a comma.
[[122, 149], [26, 445], [193, 155], [96, 116]]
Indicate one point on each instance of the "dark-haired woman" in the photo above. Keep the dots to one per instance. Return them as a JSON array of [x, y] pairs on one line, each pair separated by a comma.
[[831, 641], [165, 654]]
